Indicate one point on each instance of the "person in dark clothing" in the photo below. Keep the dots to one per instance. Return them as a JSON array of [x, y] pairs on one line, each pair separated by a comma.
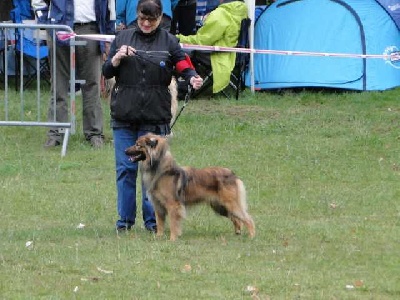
[[85, 17], [142, 60], [184, 17]]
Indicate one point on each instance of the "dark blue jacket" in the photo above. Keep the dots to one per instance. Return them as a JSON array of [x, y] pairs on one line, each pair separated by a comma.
[[61, 12]]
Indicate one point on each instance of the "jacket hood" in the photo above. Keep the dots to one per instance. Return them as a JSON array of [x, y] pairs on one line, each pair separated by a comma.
[[236, 8]]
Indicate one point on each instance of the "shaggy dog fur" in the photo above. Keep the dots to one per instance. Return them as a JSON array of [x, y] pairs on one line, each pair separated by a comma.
[[171, 188]]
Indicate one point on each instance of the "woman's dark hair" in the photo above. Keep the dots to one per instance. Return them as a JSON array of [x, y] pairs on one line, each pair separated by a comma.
[[151, 8]]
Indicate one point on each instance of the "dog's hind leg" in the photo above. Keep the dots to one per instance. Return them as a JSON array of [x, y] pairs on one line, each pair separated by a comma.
[[223, 211], [236, 205], [238, 217], [249, 223], [237, 224]]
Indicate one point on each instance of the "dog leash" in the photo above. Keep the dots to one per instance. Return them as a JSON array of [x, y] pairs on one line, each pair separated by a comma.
[[185, 102]]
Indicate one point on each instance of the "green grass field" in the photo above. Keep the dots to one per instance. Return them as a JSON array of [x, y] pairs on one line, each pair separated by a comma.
[[322, 174]]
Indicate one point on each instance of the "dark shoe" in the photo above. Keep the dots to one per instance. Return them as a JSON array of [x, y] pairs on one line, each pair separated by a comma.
[[97, 142], [152, 229], [121, 229], [50, 143]]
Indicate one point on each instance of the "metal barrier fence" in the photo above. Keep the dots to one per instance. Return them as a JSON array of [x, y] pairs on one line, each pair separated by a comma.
[[12, 39]]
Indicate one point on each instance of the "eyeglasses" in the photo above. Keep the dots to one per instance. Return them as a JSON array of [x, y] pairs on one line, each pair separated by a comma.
[[146, 18]]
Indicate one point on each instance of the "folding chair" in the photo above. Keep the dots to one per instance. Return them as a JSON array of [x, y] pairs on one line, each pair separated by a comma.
[[242, 59], [203, 65], [29, 49], [33, 51]]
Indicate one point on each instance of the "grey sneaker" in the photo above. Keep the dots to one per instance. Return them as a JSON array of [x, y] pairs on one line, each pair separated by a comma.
[[97, 142], [50, 143], [122, 229]]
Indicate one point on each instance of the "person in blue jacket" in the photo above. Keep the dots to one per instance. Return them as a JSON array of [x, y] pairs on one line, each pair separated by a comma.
[[127, 15], [84, 17]]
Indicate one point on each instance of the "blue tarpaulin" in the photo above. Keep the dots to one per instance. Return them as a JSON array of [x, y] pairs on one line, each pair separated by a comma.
[[393, 9], [360, 27]]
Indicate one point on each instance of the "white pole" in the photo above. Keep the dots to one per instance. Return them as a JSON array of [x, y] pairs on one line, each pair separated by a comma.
[[251, 7]]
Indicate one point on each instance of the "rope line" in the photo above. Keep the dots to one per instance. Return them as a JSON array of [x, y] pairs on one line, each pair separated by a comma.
[[395, 56]]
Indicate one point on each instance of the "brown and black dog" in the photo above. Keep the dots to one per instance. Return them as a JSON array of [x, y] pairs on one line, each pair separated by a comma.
[[171, 188]]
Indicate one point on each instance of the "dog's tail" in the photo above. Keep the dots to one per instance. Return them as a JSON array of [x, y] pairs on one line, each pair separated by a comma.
[[247, 219], [173, 90], [242, 194]]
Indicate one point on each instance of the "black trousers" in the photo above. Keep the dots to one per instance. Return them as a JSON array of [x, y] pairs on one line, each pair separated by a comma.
[[184, 18]]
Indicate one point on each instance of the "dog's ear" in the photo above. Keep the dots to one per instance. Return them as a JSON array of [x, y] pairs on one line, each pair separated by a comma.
[[152, 142]]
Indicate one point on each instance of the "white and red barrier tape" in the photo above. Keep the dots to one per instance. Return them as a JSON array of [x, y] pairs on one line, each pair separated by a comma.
[[395, 56]]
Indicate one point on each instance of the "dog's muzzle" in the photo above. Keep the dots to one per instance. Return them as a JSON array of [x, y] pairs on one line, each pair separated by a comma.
[[135, 156]]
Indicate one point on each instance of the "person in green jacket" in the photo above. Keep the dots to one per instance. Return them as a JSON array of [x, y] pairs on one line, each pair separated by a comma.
[[220, 28]]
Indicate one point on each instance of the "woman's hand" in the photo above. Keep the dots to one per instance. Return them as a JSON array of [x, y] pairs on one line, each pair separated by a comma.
[[124, 51], [196, 82]]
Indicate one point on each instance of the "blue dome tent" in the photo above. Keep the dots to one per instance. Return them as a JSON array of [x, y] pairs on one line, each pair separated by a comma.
[[367, 27]]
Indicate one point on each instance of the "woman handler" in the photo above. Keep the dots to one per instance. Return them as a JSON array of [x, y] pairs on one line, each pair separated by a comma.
[[142, 60]]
